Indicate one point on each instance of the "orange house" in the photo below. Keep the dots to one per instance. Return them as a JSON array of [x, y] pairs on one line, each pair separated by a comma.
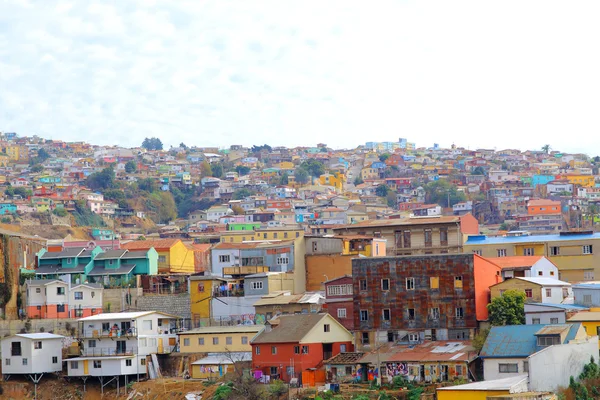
[[47, 298], [543, 207]]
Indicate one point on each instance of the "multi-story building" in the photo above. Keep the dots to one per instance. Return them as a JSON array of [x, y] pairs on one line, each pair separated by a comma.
[[173, 255], [537, 290], [117, 344], [53, 298], [410, 299], [31, 354], [576, 254], [418, 235], [218, 339], [339, 300]]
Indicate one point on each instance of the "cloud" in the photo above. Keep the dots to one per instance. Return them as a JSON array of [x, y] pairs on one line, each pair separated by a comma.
[[510, 74]]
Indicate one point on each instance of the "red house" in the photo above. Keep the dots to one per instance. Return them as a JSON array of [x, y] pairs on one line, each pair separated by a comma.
[[292, 344], [339, 302]]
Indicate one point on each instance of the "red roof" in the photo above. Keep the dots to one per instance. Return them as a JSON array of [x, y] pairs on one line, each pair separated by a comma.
[[515, 261]]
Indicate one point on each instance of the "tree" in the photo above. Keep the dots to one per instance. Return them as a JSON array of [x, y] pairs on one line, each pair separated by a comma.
[[480, 338], [102, 180], [383, 157], [152, 144], [258, 149], [358, 180], [301, 175], [546, 148], [440, 191], [242, 170], [382, 190], [148, 184], [478, 171], [37, 168], [284, 179], [242, 194], [217, 170], [130, 167], [42, 155], [313, 167], [183, 146], [508, 309], [205, 169], [392, 199]]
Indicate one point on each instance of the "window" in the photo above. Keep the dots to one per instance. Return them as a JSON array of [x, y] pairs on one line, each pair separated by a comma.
[[105, 326], [478, 252], [411, 314], [163, 259], [551, 273], [364, 315], [24, 361], [386, 314], [257, 285], [296, 349], [434, 282], [186, 342], [460, 313], [535, 321], [364, 338], [69, 260], [326, 328], [228, 340], [342, 348], [128, 363], [554, 251], [93, 294], [444, 236], [7, 361], [60, 291], [508, 368], [151, 342], [554, 320], [406, 235], [15, 349], [363, 284], [587, 249], [143, 361], [60, 308], [275, 235], [540, 273], [78, 295], [147, 324], [588, 275], [273, 349], [587, 299], [410, 283], [215, 340], [528, 251], [54, 360], [37, 345], [548, 292], [341, 313], [458, 282], [257, 350], [459, 370], [525, 366], [304, 349], [339, 290], [528, 293], [91, 343], [283, 260], [97, 363], [200, 341], [285, 235], [501, 252], [434, 313], [244, 339], [224, 258], [38, 290], [314, 246], [74, 364], [548, 340], [428, 238], [385, 284], [142, 342]]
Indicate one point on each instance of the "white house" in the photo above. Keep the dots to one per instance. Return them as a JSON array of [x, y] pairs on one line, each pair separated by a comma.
[[116, 344], [85, 299], [52, 298], [31, 353], [540, 313], [525, 266]]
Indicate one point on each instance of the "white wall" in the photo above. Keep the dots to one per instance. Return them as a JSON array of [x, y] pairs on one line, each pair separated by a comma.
[[52, 297], [38, 360], [217, 266], [544, 317], [88, 301], [34, 298], [556, 294], [551, 367], [491, 369], [545, 267], [108, 367]]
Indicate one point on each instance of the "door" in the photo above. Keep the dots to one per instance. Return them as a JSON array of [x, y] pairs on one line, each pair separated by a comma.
[[422, 372], [85, 367], [125, 326], [444, 373], [121, 346], [160, 345]]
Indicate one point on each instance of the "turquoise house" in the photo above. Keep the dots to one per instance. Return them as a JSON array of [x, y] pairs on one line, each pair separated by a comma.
[[70, 265], [8, 208]]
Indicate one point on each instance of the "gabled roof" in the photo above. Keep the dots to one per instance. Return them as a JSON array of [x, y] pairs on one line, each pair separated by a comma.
[[289, 328], [67, 253], [516, 261], [344, 358], [44, 282], [519, 340], [111, 254], [39, 336], [123, 315]]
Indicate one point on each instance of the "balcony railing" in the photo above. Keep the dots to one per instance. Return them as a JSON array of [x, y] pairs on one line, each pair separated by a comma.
[[103, 352], [246, 270], [111, 333]]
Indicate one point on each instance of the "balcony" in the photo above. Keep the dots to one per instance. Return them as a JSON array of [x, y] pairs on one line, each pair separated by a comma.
[[92, 333], [103, 352], [247, 270]]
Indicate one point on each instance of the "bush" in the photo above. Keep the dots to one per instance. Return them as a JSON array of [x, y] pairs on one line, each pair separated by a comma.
[[5, 220], [60, 212], [277, 388]]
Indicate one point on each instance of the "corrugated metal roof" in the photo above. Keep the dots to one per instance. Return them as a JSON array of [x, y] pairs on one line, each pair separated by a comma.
[[424, 352], [478, 239], [585, 316], [496, 384], [289, 328]]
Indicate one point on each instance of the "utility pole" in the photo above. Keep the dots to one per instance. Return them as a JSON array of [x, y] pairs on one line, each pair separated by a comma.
[[378, 360]]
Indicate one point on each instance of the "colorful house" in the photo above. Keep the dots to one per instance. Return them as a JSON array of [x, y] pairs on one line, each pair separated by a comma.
[[218, 339], [173, 255], [292, 344], [337, 180]]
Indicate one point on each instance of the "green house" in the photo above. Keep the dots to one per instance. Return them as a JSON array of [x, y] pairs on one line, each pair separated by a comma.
[[71, 263], [118, 267]]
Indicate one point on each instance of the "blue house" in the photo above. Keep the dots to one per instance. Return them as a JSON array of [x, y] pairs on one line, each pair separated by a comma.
[[8, 208], [70, 265]]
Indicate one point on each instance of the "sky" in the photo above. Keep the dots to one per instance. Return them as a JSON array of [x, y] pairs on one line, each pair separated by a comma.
[[503, 74]]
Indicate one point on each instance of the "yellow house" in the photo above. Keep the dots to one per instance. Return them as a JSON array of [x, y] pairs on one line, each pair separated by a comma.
[[364, 245], [173, 255], [12, 152], [581, 180], [590, 321], [218, 339], [369, 173], [202, 288], [218, 364], [4, 159], [485, 390], [336, 180], [262, 234], [286, 166]]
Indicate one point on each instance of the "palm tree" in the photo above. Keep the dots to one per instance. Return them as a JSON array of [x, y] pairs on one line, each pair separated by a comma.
[[546, 148]]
